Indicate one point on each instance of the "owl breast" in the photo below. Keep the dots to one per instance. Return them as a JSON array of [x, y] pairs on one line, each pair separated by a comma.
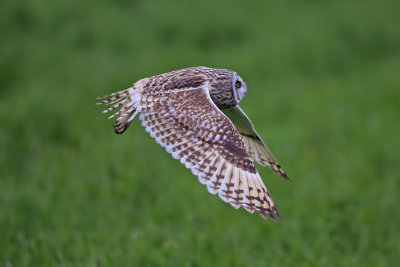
[[223, 98]]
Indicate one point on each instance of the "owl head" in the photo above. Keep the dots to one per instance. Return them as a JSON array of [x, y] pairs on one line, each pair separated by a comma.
[[227, 88], [240, 87]]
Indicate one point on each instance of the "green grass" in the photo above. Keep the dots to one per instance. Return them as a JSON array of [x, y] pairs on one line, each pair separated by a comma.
[[323, 91]]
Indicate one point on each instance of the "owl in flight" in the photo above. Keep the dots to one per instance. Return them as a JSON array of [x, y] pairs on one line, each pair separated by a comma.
[[194, 114]]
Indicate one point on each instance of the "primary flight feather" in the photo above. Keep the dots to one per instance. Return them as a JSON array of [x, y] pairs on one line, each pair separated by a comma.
[[194, 114]]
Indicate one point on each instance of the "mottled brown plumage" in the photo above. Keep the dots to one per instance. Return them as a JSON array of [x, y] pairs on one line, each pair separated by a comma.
[[193, 113]]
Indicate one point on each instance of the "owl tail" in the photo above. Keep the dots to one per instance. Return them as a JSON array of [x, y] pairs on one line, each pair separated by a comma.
[[127, 112]]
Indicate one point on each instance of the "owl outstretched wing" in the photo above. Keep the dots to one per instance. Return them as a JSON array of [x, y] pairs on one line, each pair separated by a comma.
[[190, 126], [256, 148]]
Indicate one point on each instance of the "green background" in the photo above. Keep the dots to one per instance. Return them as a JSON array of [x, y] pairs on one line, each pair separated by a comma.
[[323, 92]]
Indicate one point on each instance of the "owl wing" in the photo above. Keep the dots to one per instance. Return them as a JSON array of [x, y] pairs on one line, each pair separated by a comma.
[[191, 127], [256, 148]]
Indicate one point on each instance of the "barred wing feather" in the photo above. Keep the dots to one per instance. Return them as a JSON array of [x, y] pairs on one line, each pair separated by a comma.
[[189, 125], [256, 148]]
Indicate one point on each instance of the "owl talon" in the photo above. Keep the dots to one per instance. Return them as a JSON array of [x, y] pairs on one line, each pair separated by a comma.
[[117, 129]]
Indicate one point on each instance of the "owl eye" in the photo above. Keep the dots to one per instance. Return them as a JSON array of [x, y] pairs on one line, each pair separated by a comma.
[[238, 84]]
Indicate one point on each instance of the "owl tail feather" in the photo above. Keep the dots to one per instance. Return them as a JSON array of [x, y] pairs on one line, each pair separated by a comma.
[[127, 112]]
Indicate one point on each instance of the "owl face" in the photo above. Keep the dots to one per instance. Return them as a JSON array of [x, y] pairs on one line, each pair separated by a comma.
[[227, 88], [239, 86]]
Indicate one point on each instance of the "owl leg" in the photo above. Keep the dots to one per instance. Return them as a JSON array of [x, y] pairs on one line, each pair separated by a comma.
[[123, 122], [128, 109]]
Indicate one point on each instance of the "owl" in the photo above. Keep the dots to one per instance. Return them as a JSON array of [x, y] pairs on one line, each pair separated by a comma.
[[194, 114]]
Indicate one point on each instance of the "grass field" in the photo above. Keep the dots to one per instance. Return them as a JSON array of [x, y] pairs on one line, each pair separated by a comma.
[[323, 92]]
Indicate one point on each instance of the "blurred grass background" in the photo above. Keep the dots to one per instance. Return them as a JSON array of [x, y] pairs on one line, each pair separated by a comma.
[[323, 79]]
